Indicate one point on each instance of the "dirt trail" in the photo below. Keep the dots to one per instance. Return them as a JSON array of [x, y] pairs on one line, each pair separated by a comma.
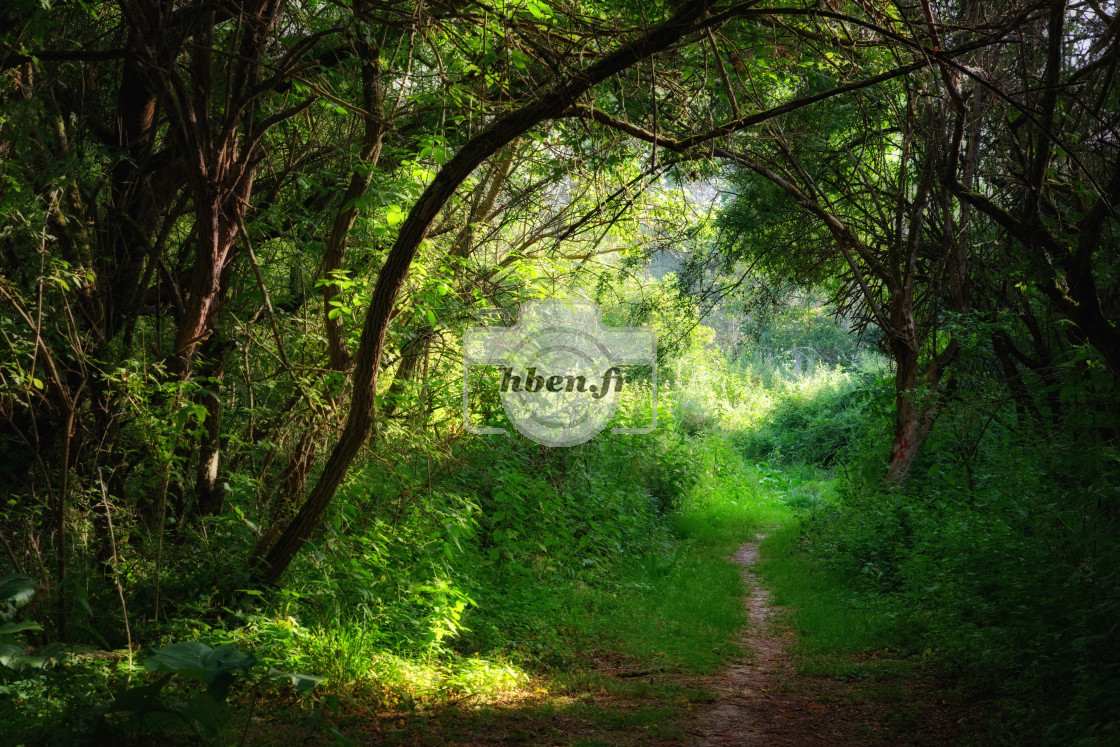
[[762, 700], [738, 718]]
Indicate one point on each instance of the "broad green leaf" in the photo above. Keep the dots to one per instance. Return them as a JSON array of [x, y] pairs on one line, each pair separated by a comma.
[[394, 214], [9, 653], [16, 627], [227, 658], [200, 662], [15, 657], [184, 658], [17, 589]]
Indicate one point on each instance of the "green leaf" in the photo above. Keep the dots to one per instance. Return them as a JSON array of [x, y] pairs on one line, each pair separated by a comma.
[[183, 658], [519, 59], [227, 658], [16, 589], [199, 662], [394, 214], [15, 657], [10, 653], [16, 627], [431, 317], [539, 10]]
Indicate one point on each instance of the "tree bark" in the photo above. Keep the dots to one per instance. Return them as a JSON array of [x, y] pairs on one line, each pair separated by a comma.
[[373, 94], [209, 495], [412, 352]]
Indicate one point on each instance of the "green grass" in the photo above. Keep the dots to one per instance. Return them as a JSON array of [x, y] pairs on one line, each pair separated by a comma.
[[679, 610], [834, 623], [681, 618], [684, 610], [671, 610]]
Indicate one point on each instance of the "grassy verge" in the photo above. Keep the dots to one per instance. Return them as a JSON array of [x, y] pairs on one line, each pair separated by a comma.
[[609, 658], [836, 627], [628, 653], [683, 609], [609, 654], [859, 648]]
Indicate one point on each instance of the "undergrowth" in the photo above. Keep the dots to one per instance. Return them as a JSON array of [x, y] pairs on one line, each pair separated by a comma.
[[998, 564]]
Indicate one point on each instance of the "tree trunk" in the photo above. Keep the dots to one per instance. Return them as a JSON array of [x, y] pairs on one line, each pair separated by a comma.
[[913, 421], [500, 132], [217, 235], [334, 257], [209, 495], [411, 354]]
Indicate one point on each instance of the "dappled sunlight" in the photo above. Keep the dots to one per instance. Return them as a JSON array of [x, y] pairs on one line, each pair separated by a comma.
[[359, 667], [482, 680]]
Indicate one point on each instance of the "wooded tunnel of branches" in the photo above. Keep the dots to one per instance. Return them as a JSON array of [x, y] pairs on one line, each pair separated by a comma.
[[241, 239]]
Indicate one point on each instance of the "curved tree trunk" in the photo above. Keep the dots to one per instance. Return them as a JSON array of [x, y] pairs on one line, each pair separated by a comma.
[[503, 130]]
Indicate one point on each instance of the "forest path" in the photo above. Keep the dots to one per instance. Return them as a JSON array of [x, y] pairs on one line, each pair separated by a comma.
[[762, 700], [770, 694], [744, 688]]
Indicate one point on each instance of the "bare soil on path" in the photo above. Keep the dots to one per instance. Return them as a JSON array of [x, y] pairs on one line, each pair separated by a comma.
[[763, 701]]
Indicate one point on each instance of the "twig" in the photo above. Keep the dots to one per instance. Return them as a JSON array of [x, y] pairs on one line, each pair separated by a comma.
[[116, 566], [264, 291]]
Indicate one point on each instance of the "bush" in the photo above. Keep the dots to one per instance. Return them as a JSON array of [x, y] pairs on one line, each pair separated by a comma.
[[1012, 581], [814, 419]]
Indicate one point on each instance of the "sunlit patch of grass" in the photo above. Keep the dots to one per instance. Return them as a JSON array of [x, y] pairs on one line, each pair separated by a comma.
[[731, 500], [682, 610], [721, 525], [358, 667]]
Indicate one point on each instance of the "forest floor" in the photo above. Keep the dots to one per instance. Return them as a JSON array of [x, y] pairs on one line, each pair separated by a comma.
[[769, 696]]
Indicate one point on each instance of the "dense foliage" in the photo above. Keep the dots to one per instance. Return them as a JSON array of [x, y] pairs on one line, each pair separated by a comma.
[[241, 242]]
